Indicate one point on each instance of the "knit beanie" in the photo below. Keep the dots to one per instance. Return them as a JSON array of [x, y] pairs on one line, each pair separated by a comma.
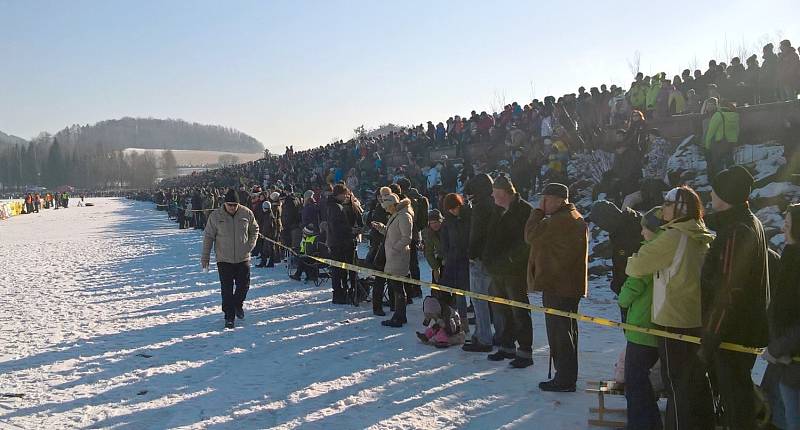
[[231, 196], [733, 185], [652, 219], [505, 184], [435, 215]]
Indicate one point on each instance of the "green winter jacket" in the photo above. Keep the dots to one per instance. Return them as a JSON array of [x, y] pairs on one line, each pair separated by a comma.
[[652, 94], [723, 123], [676, 275], [637, 297], [638, 96]]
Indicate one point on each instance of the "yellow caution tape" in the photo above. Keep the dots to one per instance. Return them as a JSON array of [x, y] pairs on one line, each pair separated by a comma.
[[573, 315]]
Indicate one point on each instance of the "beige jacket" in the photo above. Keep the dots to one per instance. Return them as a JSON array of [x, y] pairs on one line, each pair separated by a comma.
[[233, 237], [398, 233]]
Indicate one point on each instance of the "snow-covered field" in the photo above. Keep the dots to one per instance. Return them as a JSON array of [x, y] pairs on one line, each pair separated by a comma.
[[110, 323]]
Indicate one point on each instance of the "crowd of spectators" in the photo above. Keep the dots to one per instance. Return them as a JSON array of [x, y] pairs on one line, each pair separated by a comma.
[[478, 232]]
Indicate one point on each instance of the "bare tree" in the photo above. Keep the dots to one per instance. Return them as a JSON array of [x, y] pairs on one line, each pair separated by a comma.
[[498, 101], [694, 64], [169, 164], [635, 63]]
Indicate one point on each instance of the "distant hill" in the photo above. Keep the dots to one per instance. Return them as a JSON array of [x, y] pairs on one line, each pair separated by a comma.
[[149, 133], [9, 140]]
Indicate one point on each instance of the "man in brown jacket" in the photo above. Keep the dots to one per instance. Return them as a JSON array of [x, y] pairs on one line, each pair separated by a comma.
[[559, 241], [233, 231]]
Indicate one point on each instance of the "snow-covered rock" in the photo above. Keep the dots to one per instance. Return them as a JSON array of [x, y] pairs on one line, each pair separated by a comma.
[[763, 160]]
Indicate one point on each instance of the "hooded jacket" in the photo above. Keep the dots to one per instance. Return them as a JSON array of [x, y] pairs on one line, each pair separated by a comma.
[[232, 236], [557, 263], [483, 209], [398, 232], [676, 303]]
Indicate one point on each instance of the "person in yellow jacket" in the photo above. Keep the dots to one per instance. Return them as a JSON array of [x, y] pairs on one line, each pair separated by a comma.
[[674, 259], [720, 138], [652, 94], [676, 101], [637, 95]]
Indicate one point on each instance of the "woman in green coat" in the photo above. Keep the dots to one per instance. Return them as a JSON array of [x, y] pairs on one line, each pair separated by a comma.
[[674, 259]]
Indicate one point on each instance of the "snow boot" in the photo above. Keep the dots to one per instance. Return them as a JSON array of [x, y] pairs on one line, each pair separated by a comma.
[[502, 355], [229, 324], [240, 313], [521, 362], [555, 387]]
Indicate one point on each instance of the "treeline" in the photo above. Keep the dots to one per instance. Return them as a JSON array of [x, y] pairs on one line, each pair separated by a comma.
[[46, 161], [150, 133]]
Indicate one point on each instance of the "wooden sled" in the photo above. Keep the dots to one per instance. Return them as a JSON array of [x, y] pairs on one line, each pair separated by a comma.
[[601, 416]]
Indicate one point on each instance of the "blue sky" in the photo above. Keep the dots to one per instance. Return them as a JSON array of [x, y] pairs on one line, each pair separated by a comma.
[[305, 72]]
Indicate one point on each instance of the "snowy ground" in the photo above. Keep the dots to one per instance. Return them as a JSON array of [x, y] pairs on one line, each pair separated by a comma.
[[109, 323]]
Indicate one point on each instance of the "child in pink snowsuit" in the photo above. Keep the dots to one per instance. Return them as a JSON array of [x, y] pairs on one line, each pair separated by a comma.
[[444, 325]]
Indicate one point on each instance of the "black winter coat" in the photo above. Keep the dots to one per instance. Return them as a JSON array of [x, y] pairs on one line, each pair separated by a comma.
[[483, 210], [784, 314], [340, 225], [267, 224], [455, 238], [506, 252], [625, 237], [735, 281], [291, 212]]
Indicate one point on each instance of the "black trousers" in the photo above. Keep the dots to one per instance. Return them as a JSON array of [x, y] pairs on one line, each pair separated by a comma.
[[731, 380], [399, 297], [562, 335], [340, 277], [689, 402], [267, 251], [517, 326], [643, 413], [413, 290], [231, 274]]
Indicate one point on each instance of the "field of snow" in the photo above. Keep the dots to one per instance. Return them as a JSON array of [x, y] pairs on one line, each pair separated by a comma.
[[110, 323]]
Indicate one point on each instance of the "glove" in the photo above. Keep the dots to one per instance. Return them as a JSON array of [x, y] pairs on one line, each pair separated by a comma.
[[708, 346]]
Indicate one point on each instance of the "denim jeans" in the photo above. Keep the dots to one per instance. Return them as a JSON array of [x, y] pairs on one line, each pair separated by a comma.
[[791, 406], [479, 282]]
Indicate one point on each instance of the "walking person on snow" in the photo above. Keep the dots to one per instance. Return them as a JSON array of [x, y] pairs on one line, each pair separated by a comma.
[[232, 231]]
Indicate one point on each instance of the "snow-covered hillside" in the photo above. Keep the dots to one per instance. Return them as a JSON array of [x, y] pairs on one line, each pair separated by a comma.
[[111, 324]]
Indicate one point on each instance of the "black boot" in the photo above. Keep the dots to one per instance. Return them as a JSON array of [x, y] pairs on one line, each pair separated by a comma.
[[399, 308], [339, 296], [377, 299]]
